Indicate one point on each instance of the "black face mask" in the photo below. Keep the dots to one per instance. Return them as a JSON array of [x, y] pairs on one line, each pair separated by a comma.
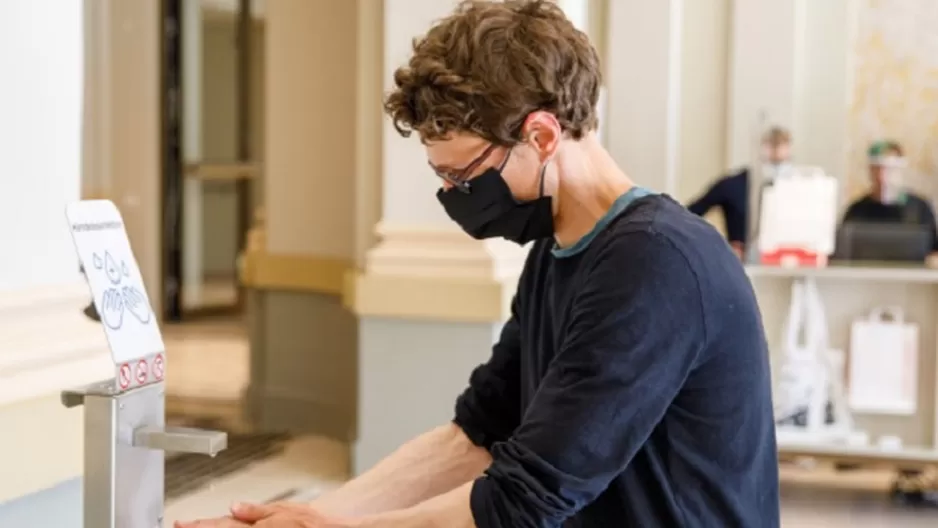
[[488, 210]]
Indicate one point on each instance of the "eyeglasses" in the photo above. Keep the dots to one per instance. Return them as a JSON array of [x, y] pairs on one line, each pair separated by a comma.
[[460, 178]]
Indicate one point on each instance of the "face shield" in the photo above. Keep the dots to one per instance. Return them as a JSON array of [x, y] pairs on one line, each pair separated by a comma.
[[888, 173]]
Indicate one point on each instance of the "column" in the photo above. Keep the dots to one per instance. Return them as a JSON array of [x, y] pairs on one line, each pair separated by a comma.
[[303, 341], [643, 82], [704, 71], [666, 77], [430, 299], [791, 62], [666, 66], [131, 134]]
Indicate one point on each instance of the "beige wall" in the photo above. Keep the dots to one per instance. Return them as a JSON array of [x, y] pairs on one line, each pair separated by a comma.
[[40, 142], [895, 88], [668, 74]]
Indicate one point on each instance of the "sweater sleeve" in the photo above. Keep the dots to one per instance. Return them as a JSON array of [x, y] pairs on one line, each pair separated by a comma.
[[633, 335], [488, 411]]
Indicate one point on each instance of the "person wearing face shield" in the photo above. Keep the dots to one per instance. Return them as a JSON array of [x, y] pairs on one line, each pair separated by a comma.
[[730, 194], [630, 385], [888, 200]]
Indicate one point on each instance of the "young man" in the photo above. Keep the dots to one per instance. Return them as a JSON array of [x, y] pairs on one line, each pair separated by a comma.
[[888, 200], [631, 386], [731, 193]]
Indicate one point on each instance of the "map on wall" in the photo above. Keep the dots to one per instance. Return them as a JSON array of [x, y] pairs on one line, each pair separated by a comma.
[[895, 92]]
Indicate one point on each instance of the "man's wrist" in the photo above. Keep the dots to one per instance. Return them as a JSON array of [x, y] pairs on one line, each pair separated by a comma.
[[396, 519]]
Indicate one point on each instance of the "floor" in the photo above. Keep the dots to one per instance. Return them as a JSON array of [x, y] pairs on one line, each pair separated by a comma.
[[208, 369], [213, 291], [822, 498], [309, 467]]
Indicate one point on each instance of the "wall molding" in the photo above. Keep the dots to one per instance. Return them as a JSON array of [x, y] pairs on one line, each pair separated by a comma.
[[260, 270], [418, 251], [435, 274], [414, 272], [46, 345]]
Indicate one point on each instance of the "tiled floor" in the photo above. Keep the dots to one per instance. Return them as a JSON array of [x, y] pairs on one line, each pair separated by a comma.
[[209, 362]]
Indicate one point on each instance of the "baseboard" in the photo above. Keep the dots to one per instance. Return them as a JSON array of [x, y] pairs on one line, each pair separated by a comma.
[[304, 273]]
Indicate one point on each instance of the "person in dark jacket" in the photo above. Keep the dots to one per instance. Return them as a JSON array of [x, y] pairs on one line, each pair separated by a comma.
[[889, 200], [730, 193]]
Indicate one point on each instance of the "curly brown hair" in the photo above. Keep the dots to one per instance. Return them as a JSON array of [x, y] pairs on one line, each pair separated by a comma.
[[484, 68]]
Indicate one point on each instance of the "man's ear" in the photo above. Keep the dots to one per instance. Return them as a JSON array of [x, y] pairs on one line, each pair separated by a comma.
[[542, 130]]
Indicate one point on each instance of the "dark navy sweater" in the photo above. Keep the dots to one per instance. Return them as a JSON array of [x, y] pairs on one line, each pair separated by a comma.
[[731, 195], [631, 385]]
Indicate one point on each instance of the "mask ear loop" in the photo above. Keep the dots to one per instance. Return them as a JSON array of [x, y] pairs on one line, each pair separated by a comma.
[[505, 161], [541, 185]]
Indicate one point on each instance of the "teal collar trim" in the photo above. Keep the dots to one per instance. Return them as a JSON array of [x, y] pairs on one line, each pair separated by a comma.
[[618, 207]]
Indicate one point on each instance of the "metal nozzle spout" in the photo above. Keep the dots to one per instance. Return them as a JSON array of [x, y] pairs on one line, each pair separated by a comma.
[[181, 440]]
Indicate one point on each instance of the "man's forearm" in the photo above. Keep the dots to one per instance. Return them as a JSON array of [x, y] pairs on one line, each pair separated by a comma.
[[449, 510], [429, 465]]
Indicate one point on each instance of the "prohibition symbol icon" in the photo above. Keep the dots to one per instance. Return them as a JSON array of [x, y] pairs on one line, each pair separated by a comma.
[[158, 367], [141, 372], [123, 377]]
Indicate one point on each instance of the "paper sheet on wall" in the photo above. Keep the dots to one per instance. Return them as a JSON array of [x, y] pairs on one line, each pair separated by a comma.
[[883, 365]]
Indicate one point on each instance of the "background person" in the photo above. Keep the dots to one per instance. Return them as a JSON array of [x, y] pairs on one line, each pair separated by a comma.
[[731, 192], [888, 200]]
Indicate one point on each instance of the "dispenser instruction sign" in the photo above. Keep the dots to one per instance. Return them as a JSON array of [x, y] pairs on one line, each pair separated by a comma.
[[117, 288]]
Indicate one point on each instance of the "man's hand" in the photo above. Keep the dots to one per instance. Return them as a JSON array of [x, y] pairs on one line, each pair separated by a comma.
[[738, 249], [220, 522], [286, 515], [276, 515]]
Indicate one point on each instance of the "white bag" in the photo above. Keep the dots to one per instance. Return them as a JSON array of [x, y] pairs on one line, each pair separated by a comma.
[[812, 225], [804, 372], [884, 363]]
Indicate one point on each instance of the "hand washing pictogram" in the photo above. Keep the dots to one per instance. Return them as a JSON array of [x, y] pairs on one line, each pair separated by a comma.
[[122, 296]]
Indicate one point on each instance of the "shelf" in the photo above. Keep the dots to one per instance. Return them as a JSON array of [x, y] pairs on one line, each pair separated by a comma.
[[905, 456], [859, 271]]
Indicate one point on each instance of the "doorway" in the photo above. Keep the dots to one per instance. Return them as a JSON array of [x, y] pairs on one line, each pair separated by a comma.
[[212, 89]]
